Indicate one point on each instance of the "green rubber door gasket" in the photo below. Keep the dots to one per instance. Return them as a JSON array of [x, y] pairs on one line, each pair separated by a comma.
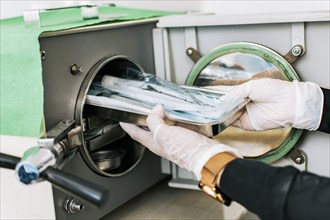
[[268, 55]]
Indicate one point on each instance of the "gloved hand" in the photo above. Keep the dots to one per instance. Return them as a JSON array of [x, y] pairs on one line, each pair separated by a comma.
[[276, 103], [184, 147]]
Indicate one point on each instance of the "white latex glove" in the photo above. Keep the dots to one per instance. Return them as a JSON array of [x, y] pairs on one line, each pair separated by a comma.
[[184, 147], [276, 103]]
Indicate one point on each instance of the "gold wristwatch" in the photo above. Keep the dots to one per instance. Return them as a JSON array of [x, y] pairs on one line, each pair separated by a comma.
[[210, 175]]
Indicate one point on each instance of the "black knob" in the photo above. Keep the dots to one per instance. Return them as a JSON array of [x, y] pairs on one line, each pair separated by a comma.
[[70, 184], [7, 161]]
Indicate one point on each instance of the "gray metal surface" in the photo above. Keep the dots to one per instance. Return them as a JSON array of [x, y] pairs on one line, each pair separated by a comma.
[[85, 49], [313, 66], [61, 88]]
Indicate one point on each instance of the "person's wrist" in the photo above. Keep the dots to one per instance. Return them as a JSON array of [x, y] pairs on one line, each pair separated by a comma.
[[204, 157], [309, 106]]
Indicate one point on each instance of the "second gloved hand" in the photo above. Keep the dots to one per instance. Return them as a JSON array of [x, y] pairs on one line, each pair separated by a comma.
[[276, 103], [184, 147]]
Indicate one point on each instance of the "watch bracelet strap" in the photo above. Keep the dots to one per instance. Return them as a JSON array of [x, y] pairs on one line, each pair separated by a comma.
[[210, 173]]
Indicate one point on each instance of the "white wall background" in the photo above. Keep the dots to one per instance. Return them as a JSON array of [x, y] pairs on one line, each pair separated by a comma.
[[10, 8]]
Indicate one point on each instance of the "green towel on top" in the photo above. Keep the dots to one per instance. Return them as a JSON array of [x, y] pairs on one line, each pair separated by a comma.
[[21, 97]]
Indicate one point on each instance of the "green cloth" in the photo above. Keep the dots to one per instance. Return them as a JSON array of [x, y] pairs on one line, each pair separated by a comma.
[[21, 97]]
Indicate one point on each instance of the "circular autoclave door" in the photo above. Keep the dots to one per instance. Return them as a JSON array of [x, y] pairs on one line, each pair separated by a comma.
[[107, 149], [236, 63]]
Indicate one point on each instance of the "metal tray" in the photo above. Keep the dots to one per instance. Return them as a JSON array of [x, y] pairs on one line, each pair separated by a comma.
[[209, 129]]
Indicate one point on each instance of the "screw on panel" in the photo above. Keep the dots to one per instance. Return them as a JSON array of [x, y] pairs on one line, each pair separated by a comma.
[[75, 69], [296, 156], [193, 54], [297, 50], [43, 54], [294, 53], [72, 206], [298, 160]]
